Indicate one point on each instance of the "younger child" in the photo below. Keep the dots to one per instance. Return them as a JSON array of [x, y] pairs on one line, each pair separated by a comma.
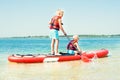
[[73, 46]]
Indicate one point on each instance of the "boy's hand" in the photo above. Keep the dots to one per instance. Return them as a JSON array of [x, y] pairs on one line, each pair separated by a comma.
[[65, 34]]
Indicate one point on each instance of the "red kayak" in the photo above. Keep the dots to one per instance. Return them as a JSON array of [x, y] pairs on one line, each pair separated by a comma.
[[56, 58]]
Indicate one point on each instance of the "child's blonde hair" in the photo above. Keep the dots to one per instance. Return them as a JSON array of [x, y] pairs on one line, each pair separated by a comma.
[[59, 12], [75, 37]]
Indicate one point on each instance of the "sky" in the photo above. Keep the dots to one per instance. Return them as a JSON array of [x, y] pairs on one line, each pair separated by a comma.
[[31, 17]]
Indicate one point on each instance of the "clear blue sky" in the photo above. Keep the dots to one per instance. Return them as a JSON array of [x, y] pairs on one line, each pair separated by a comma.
[[31, 17]]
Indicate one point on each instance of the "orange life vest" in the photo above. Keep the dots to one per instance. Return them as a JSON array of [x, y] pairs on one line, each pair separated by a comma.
[[54, 24]]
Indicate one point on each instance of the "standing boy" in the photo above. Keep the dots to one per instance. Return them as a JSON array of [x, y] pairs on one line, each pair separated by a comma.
[[55, 26]]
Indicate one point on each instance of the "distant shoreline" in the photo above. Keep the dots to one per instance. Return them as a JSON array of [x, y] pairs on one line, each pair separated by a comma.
[[92, 36]]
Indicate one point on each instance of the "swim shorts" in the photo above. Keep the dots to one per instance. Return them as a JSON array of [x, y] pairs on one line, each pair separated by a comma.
[[70, 51], [54, 34]]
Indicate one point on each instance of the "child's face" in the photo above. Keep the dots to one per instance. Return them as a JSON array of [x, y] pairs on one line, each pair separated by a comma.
[[76, 39], [61, 14]]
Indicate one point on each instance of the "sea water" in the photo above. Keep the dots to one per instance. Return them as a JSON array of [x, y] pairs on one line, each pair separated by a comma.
[[101, 69]]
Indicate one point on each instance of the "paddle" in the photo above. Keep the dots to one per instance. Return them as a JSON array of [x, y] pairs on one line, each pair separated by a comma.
[[84, 58]]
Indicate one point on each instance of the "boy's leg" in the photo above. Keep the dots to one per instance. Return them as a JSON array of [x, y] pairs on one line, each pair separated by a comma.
[[56, 46], [77, 52], [52, 46]]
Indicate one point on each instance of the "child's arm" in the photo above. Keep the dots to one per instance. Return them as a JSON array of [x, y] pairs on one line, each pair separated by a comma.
[[61, 28], [78, 48]]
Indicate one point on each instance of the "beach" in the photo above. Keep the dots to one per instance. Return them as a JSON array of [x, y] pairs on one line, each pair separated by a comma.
[[99, 69]]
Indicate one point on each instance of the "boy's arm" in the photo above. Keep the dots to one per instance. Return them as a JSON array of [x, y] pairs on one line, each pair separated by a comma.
[[61, 28], [78, 48]]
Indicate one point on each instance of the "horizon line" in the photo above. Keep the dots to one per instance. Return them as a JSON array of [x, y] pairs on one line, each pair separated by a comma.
[[81, 35]]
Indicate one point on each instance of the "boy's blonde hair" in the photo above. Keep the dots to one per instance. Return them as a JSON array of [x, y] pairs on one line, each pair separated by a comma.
[[75, 37], [59, 11]]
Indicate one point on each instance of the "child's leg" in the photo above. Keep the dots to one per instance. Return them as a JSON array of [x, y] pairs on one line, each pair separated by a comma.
[[77, 52], [52, 46], [56, 46]]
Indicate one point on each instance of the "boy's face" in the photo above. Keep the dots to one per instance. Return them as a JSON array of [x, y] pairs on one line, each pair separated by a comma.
[[61, 14], [76, 38]]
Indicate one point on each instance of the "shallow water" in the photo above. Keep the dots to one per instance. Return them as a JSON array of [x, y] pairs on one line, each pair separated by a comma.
[[99, 69]]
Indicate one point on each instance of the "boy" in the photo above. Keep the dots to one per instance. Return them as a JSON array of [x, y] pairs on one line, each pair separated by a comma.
[[73, 46], [55, 26]]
